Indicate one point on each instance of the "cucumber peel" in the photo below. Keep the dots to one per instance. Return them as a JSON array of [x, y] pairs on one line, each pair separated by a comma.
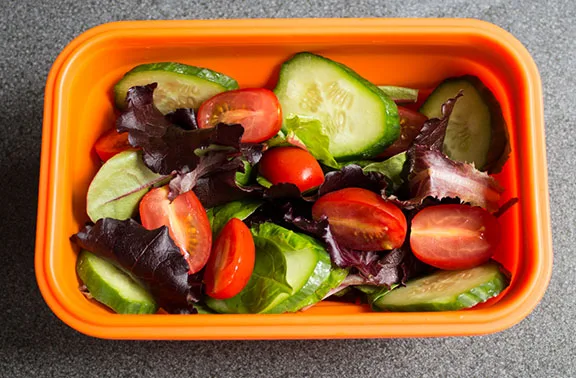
[[400, 94]]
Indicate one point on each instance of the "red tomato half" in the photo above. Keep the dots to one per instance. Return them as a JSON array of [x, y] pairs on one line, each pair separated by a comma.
[[111, 143], [291, 165], [231, 262], [411, 123], [257, 110], [454, 236], [362, 220], [186, 220]]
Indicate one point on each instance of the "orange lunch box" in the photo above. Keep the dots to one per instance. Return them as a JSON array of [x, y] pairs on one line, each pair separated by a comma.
[[417, 53]]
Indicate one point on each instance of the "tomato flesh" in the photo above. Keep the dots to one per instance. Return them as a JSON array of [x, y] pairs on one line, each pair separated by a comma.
[[454, 236], [411, 123], [231, 262], [111, 143], [362, 220], [256, 109], [186, 220], [291, 165]]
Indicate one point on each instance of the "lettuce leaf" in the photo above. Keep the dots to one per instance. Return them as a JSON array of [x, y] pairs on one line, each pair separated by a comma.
[[392, 168], [150, 256], [353, 176], [433, 174], [185, 118], [209, 164], [221, 177], [220, 215], [309, 132]]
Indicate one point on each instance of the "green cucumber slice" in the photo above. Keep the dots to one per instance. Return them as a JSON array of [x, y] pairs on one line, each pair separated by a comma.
[[119, 185], [112, 287], [337, 275], [179, 85], [359, 119], [244, 178], [320, 275], [446, 290], [476, 130]]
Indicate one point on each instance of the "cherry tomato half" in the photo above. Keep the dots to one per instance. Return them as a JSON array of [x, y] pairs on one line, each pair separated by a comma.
[[186, 220], [291, 165], [231, 262], [362, 220], [454, 236], [111, 143], [257, 110], [411, 123]]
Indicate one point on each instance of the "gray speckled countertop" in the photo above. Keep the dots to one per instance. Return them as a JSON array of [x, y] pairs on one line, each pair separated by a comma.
[[33, 342]]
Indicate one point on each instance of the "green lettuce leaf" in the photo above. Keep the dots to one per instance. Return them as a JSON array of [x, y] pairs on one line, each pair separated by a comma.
[[391, 168], [220, 215], [263, 181], [119, 185], [309, 132]]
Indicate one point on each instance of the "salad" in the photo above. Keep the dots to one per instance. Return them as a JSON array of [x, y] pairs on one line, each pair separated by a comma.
[[216, 199]]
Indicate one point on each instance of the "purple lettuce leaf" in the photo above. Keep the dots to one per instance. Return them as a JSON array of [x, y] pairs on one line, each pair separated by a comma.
[[252, 152], [150, 256], [214, 178], [353, 176], [166, 147], [211, 163], [220, 188], [184, 117], [435, 175]]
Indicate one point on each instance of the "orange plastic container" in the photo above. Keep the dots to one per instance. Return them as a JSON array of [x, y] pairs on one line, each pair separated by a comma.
[[410, 52]]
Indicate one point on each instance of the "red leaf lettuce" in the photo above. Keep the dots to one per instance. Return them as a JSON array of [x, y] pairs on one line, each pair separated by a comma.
[[150, 256]]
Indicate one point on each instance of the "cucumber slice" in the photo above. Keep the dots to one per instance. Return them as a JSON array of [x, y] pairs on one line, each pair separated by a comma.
[[179, 85], [446, 290], [359, 119], [400, 94], [476, 130], [337, 275], [111, 286], [320, 275]]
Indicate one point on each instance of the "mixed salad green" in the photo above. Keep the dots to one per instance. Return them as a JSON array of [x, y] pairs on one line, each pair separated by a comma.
[[215, 199]]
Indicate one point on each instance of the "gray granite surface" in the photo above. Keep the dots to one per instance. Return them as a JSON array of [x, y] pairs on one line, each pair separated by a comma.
[[33, 342]]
